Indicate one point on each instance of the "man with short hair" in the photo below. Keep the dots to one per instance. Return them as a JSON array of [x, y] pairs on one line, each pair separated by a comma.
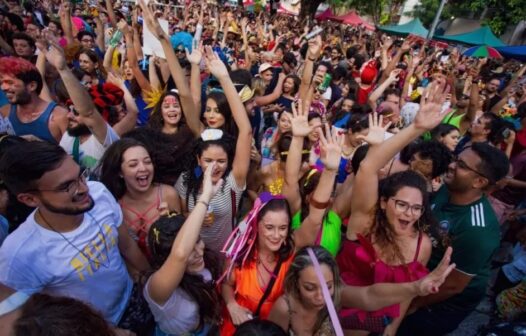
[[74, 243], [491, 91], [467, 222], [24, 46], [28, 114]]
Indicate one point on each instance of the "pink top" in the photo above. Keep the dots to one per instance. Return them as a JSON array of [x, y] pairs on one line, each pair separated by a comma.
[[360, 266]]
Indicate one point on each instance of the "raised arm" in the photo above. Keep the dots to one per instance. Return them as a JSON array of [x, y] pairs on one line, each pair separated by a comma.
[[132, 57], [300, 129], [313, 53], [188, 106], [195, 82], [111, 13], [166, 279], [331, 154], [239, 114], [377, 296], [45, 94], [108, 58], [365, 193], [81, 99], [270, 98], [376, 94], [65, 20], [129, 121], [99, 32]]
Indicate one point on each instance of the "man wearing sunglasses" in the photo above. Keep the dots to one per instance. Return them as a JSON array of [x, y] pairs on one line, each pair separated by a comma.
[[74, 243], [467, 222]]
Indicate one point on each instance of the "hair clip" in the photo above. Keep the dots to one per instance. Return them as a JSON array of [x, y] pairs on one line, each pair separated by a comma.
[[156, 235], [210, 134], [171, 214], [309, 176], [305, 151], [174, 91]]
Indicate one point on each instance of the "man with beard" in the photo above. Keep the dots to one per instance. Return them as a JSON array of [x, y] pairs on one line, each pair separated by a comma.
[[73, 243], [28, 114], [467, 222], [88, 135]]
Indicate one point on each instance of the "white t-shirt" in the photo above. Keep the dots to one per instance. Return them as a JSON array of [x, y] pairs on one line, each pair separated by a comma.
[[180, 314], [91, 150], [34, 259], [216, 235]]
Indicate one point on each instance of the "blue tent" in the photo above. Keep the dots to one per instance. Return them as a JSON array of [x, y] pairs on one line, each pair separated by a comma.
[[481, 36], [414, 27], [515, 52]]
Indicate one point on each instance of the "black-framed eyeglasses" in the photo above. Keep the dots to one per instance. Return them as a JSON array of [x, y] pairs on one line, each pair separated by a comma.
[[462, 165], [179, 51], [73, 110], [87, 40], [68, 187], [403, 206]]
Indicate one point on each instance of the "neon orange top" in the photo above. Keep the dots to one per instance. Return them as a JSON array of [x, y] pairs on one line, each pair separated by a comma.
[[248, 292]]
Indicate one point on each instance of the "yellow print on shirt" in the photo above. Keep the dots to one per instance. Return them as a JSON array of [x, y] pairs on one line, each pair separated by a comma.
[[95, 253]]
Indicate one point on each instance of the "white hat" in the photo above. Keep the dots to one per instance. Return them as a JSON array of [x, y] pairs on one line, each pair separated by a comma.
[[264, 67]]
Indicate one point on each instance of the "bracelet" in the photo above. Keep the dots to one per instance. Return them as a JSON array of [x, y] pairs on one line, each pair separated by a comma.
[[312, 59], [318, 205], [203, 202]]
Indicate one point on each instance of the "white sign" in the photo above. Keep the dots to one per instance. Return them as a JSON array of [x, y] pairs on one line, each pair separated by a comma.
[[151, 44]]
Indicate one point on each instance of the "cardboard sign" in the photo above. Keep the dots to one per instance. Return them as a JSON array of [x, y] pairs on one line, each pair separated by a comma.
[[151, 44]]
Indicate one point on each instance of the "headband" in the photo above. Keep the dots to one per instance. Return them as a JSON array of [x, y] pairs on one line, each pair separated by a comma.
[[241, 241]]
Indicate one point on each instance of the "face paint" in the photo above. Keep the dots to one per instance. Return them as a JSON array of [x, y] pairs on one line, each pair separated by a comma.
[[170, 100]]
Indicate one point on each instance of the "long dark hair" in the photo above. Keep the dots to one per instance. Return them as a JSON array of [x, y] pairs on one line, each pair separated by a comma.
[[219, 98], [156, 117], [382, 230], [193, 181], [111, 162], [161, 237]]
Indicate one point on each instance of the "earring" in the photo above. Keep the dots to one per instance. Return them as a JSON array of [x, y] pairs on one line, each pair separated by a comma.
[[198, 171]]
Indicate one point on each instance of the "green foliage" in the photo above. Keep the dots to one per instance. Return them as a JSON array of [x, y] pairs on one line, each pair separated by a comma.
[[498, 16]]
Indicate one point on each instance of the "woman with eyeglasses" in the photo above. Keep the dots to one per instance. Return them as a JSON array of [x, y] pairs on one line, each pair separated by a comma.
[[386, 236]]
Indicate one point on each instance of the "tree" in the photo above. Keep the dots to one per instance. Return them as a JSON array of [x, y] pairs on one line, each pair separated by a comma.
[[308, 8], [495, 13]]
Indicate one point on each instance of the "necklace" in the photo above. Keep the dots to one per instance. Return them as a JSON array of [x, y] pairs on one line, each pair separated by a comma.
[[96, 262]]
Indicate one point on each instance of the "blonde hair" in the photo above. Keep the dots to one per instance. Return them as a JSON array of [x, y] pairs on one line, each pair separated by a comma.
[[259, 86]]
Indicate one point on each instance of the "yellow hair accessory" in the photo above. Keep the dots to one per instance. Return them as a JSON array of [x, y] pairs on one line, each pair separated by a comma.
[[3, 137], [309, 176], [305, 151], [152, 97], [246, 94], [156, 235]]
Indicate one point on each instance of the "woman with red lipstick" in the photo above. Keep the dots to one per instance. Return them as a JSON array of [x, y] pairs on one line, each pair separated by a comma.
[[386, 236], [231, 158]]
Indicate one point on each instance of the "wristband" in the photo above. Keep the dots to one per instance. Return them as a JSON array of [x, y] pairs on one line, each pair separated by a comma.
[[312, 59], [318, 205], [203, 202]]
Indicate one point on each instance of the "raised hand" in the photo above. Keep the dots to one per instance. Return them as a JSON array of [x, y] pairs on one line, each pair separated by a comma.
[[209, 188], [151, 21], [196, 55], [330, 148], [123, 27], [431, 282], [314, 50], [215, 65], [376, 133], [394, 75], [300, 121], [431, 110], [54, 54], [115, 79]]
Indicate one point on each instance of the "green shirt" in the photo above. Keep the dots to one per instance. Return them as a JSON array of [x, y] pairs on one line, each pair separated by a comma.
[[331, 236], [474, 233]]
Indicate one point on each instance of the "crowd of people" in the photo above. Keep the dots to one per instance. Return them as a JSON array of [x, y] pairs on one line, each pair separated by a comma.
[[208, 170]]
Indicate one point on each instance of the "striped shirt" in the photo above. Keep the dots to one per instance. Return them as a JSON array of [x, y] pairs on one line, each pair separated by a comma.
[[215, 236]]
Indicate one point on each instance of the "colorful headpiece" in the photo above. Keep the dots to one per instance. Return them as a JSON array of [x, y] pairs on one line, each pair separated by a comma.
[[241, 241]]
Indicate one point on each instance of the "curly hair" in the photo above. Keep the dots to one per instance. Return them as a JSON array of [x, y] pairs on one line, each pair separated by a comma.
[[381, 230], [203, 292], [156, 121]]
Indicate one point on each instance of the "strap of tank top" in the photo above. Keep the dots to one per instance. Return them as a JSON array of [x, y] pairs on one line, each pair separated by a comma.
[[326, 294], [234, 207], [449, 116], [418, 245]]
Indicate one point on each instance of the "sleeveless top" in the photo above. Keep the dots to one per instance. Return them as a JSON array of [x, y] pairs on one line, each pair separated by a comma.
[[360, 266], [248, 293], [330, 235], [452, 119], [326, 328], [38, 127], [140, 226]]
